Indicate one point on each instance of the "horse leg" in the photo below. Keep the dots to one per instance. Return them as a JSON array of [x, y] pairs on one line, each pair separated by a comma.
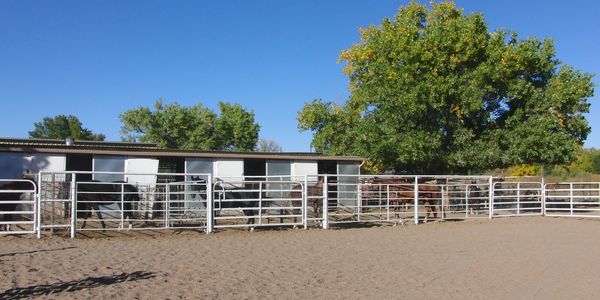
[[99, 215]]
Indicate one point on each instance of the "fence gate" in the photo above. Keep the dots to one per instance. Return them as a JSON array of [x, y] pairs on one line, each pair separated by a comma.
[[573, 199], [17, 206], [517, 199], [258, 202]]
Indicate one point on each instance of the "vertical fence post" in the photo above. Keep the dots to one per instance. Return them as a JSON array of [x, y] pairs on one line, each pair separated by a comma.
[[209, 205], [359, 200], [518, 198], [416, 208], [571, 197], [467, 187], [491, 197], [38, 207], [443, 213], [121, 226], [167, 210], [543, 196], [305, 196], [260, 203], [387, 187], [73, 206], [325, 203]]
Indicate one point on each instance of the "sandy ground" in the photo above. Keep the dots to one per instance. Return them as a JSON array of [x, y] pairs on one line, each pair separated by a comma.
[[517, 258]]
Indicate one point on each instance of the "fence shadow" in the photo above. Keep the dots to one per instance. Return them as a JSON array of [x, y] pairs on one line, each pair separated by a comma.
[[74, 285], [35, 251]]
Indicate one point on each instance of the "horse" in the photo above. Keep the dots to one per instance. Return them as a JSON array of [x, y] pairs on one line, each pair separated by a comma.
[[10, 194], [245, 198], [400, 191], [92, 194]]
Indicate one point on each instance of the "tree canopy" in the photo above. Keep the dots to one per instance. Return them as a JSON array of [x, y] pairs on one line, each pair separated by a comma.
[[173, 126], [61, 127], [433, 91], [265, 145]]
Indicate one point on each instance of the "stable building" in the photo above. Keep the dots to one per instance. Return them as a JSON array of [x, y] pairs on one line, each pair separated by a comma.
[[21, 156]]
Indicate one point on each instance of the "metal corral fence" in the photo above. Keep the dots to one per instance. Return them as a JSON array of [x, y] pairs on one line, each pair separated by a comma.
[[17, 206], [572, 199], [74, 202]]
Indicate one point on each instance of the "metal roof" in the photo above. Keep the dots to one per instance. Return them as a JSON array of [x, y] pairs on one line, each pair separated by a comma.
[[53, 146]]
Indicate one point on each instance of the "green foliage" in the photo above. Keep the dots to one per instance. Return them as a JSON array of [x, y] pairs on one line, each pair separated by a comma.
[[433, 91], [61, 127], [172, 126]]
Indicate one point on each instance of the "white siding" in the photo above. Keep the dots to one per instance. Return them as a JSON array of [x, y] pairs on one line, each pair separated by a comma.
[[144, 167], [304, 168], [230, 169]]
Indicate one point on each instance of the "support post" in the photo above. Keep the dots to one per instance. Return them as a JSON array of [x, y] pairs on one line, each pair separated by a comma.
[[167, 196], [518, 198], [325, 203], [491, 197], [259, 204], [121, 226], [73, 206], [38, 207], [416, 208], [209, 205], [305, 203]]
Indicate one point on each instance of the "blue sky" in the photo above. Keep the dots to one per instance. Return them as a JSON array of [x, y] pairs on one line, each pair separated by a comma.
[[97, 59]]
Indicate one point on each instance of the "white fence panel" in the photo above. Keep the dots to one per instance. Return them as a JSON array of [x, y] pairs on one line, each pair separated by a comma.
[[258, 201], [518, 198], [17, 206], [573, 199]]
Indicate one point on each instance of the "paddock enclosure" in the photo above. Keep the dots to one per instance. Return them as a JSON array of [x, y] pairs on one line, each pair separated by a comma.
[[59, 203], [107, 186]]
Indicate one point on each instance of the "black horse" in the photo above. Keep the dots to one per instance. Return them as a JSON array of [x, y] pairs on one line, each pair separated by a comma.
[[244, 198], [93, 194], [11, 193]]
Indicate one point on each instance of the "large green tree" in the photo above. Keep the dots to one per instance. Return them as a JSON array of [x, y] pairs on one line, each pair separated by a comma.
[[173, 126], [433, 91], [61, 127]]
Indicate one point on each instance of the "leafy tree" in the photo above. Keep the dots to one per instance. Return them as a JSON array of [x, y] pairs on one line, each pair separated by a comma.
[[433, 91], [173, 126], [61, 127], [265, 145]]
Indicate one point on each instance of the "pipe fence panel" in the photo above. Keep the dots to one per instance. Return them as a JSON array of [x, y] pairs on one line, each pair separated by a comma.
[[258, 202], [17, 206], [65, 202], [70, 205], [519, 198], [55, 199], [573, 199]]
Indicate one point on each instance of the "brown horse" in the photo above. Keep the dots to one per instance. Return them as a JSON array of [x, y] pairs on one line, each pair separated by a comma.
[[401, 192]]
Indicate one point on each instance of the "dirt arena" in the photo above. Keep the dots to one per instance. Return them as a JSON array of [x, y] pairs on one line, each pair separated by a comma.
[[516, 258]]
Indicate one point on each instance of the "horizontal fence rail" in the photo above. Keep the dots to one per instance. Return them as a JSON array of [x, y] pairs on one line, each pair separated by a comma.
[[17, 206], [74, 202]]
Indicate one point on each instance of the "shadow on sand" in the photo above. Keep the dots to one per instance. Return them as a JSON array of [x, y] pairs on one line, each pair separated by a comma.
[[74, 285]]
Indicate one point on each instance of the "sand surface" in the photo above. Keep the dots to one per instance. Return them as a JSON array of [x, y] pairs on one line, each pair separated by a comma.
[[516, 258]]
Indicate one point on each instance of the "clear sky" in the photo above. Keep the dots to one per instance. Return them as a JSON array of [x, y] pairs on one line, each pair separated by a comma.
[[97, 59]]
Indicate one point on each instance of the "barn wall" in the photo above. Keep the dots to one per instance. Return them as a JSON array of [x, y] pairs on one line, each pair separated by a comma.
[[144, 166], [14, 165], [302, 168], [229, 168], [44, 162]]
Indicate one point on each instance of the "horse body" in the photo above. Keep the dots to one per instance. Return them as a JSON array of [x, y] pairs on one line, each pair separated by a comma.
[[400, 191], [92, 194]]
